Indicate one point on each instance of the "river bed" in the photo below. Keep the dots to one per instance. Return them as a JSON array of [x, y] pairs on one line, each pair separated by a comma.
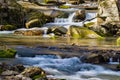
[[71, 68]]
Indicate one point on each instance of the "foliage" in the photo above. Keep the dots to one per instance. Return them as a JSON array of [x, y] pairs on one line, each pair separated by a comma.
[[8, 27], [9, 53]]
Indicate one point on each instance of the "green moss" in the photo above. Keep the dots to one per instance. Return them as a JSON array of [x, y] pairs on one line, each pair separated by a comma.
[[36, 77], [77, 32], [89, 24], [9, 53], [118, 41], [64, 7], [45, 1], [39, 76]]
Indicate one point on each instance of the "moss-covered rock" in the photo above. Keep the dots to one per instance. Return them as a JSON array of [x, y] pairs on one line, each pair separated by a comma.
[[90, 24], [8, 53], [36, 19], [82, 32], [64, 7], [17, 13], [11, 13], [8, 27], [118, 41], [34, 73]]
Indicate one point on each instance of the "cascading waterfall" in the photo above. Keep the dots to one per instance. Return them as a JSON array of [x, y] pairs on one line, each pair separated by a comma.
[[69, 20], [65, 20], [45, 31]]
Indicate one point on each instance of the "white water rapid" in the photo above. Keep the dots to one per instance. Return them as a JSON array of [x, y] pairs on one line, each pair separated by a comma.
[[69, 68], [69, 20]]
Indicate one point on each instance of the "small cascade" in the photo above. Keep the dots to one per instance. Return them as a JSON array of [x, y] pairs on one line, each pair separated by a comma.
[[90, 17], [61, 20], [71, 17], [113, 62], [65, 20], [45, 32], [110, 59]]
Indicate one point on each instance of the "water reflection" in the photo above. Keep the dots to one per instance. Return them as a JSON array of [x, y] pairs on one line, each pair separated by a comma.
[[37, 40]]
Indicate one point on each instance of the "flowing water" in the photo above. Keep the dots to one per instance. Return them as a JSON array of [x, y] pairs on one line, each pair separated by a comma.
[[57, 67], [69, 68], [69, 20]]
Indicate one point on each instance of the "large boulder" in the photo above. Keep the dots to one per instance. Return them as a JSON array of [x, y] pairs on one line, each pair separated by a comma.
[[108, 18], [11, 13], [108, 11], [81, 32], [96, 58], [36, 19]]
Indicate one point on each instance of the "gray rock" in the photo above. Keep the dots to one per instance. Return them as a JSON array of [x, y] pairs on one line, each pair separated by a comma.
[[109, 10], [9, 73]]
